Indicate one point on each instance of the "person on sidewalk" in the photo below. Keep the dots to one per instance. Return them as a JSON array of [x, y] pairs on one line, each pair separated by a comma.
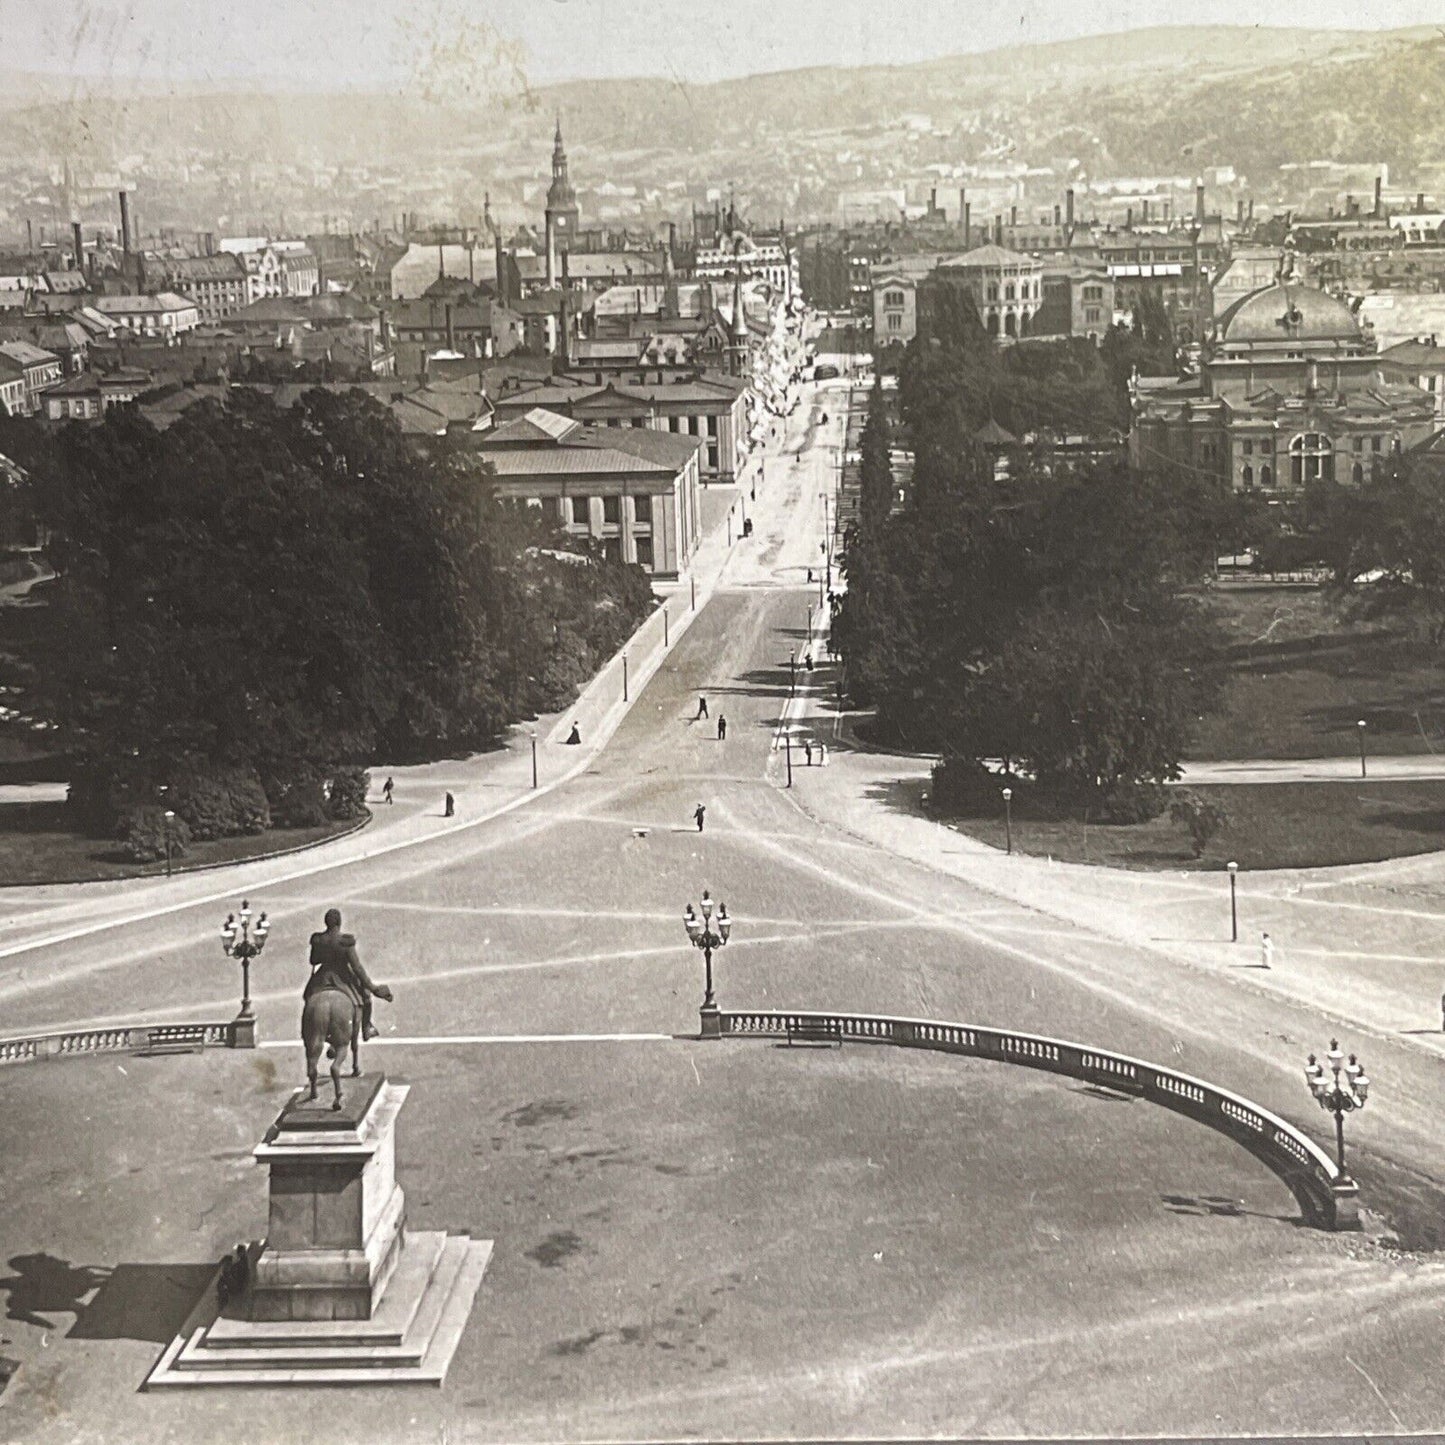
[[699, 813], [808, 750], [701, 709], [1266, 951], [722, 728], [386, 788], [808, 660], [451, 808], [574, 737]]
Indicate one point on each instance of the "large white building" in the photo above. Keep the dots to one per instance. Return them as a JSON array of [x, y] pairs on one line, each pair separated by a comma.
[[165, 315]]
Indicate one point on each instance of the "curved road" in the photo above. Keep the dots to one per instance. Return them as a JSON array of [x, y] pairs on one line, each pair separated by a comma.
[[563, 917]]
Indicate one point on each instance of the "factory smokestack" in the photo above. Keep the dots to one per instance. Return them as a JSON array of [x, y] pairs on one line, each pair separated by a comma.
[[79, 246], [124, 223]]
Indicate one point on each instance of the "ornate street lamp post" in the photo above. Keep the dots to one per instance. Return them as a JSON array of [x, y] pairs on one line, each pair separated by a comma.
[[241, 940], [170, 819], [1233, 904], [708, 932], [1008, 818], [1343, 1089], [1361, 726]]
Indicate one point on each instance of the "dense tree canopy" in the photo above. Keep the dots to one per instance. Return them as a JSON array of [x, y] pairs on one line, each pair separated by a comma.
[[276, 594], [1035, 616]]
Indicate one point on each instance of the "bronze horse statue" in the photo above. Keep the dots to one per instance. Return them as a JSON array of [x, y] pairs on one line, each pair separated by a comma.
[[331, 1020], [336, 1014]]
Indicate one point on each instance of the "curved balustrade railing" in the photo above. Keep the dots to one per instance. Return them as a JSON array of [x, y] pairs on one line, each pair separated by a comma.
[[119, 1040], [1310, 1173]]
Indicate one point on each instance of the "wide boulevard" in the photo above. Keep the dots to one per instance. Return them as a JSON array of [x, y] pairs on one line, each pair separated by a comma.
[[715, 1238]]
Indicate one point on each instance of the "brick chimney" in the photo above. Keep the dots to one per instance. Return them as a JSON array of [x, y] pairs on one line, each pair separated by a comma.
[[1069, 207], [79, 246], [1379, 196], [1199, 201], [124, 223], [1013, 216], [451, 332]]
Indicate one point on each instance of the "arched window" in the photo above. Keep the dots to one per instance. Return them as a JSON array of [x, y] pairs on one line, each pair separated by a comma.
[[1010, 325], [993, 290], [1357, 474], [1247, 475], [993, 323], [1008, 291], [1266, 476], [1311, 459]]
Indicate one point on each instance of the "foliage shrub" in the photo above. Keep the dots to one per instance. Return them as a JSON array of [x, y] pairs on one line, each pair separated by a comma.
[[965, 788], [143, 834], [297, 796], [1203, 819], [347, 798], [219, 802], [1127, 803]]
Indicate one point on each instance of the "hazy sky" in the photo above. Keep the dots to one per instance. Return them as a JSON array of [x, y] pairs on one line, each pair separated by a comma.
[[331, 43]]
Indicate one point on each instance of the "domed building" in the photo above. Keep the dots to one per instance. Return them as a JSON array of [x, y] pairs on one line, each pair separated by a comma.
[[1288, 391]]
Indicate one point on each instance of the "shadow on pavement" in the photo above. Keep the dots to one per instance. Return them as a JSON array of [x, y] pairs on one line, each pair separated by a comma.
[[143, 1302], [43, 1285]]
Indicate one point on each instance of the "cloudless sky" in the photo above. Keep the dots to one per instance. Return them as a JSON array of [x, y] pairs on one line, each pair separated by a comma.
[[326, 44]]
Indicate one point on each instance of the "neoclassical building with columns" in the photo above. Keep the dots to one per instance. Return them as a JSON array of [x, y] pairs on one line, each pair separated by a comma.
[[1289, 390]]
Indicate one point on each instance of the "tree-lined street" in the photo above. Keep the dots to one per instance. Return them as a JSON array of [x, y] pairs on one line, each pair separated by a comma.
[[715, 1239]]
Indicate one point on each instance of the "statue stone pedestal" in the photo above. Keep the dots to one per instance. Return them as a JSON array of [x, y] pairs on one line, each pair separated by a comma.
[[340, 1291]]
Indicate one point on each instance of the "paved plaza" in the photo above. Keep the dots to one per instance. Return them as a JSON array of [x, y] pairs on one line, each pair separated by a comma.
[[724, 1238]]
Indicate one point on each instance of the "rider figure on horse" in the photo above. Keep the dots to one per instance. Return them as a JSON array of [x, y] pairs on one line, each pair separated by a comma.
[[335, 964]]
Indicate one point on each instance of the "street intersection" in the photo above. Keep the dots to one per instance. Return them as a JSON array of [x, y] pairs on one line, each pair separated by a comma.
[[722, 1239]]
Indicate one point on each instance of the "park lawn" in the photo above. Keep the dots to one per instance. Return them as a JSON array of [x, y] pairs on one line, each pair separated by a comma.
[[1299, 678], [1270, 825], [36, 847]]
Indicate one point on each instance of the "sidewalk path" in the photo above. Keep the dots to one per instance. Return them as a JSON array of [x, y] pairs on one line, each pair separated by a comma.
[[1315, 770], [1364, 944], [485, 785]]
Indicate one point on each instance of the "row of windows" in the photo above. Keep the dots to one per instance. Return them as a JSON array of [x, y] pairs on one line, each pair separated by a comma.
[[1027, 291], [581, 510], [1312, 443]]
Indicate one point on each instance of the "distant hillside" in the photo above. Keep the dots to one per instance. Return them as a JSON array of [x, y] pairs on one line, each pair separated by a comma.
[[1171, 98]]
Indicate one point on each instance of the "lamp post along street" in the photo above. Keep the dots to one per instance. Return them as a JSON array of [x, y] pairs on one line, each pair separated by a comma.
[[534, 760], [170, 818], [1339, 1091], [665, 639], [692, 584], [1233, 904], [788, 750], [708, 927], [624, 677], [1008, 821], [239, 939], [1360, 727]]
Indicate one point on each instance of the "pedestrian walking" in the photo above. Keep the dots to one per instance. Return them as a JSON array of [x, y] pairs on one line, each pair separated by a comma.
[[1442, 1013], [810, 574], [1266, 951], [701, 709], [451, 808], [808, 660], [808, 751], [699, 813], [722, 728], [574, 737], [386, 788]]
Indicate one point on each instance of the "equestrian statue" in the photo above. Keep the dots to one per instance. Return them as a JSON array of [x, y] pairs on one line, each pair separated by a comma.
[[337, 1009]]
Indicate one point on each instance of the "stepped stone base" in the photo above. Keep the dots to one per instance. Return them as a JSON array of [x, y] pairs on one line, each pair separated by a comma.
[[341, 1292], [410, 1339]]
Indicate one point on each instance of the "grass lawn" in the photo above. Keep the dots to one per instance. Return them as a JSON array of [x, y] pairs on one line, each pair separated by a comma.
[[36, 847], [1271, 825], [1300, 678]]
